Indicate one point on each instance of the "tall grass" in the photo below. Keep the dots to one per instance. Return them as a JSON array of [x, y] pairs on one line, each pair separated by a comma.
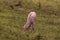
[[47, 23]]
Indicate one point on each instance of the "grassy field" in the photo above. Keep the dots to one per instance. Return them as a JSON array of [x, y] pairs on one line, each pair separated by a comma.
[[47, 23]]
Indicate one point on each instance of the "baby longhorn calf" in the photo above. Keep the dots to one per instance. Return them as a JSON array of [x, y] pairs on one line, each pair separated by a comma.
[[30, 21]]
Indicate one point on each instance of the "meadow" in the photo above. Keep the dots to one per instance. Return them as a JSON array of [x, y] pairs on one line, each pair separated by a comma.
[[12, 20]]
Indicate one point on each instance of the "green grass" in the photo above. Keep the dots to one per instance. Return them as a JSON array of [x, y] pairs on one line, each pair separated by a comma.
[[47, 24]]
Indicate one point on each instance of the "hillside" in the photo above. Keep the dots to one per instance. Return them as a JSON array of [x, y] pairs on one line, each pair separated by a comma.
[[12, 19]]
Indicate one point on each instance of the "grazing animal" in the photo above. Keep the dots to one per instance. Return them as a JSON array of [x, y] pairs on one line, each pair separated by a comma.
[[31, 19]]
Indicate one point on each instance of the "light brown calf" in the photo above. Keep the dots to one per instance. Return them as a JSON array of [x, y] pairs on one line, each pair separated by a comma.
[[30, 21]]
